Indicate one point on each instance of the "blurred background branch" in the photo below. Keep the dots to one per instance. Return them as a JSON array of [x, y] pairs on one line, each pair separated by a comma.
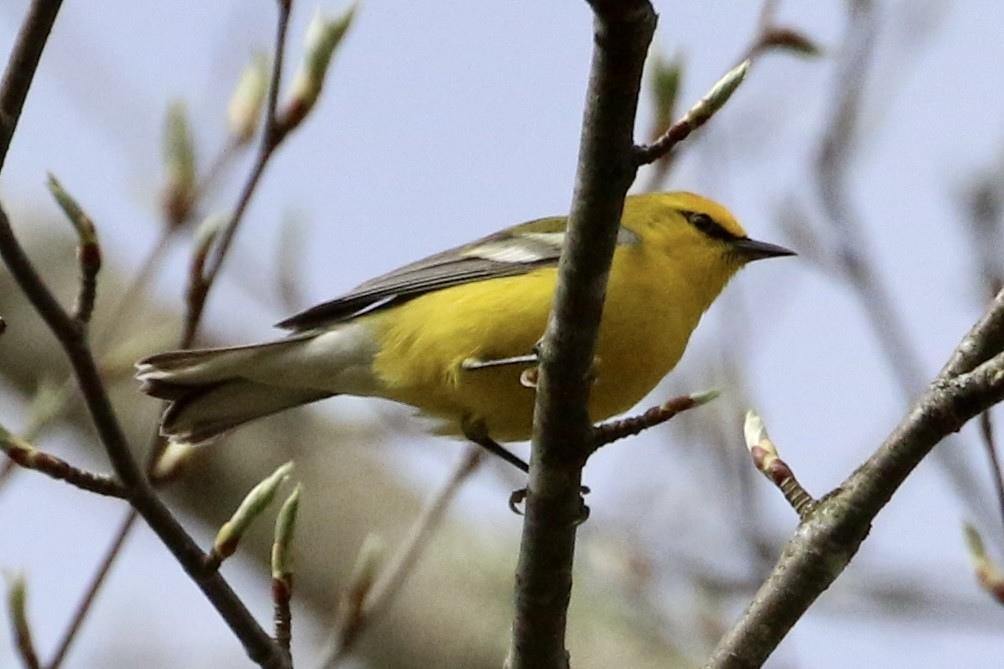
[[683, 528]]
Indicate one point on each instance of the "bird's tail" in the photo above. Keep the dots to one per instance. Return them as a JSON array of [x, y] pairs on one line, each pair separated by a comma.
[[212, 391]]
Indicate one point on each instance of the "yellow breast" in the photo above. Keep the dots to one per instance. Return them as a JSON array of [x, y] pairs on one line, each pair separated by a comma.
[[648, 316]]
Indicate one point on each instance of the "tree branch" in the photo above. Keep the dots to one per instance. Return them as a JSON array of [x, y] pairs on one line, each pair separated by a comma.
[[203, 278], [848, 249], [21, 67], [98, 580], [826, 541], [71, 335], [562, 432]]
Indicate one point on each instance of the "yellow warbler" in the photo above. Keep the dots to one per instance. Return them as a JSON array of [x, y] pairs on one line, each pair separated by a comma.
[[453, 334]]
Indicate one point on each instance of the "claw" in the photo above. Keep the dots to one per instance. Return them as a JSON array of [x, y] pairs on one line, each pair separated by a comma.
[[519, 496], [515, 499]]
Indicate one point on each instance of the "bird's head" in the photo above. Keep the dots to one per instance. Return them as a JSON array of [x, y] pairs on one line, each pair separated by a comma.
[[698, 234]]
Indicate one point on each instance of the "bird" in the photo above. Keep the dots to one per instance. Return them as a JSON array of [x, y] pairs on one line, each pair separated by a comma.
[[454, 335]]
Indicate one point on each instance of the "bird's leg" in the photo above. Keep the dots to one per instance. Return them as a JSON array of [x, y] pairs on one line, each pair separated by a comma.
[[472, 364], [475, 432]]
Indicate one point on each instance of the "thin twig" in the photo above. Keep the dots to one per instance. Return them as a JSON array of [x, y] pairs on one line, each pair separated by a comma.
[[90, 263], [272, 106], [282, 615], [850, 253], [767, 35], [97, 582], [990, 445], [196, 303], [72, 337], [695, 117], [100, 343], [273, 134], [104, 340], [611, 431], [827, 540], [402, 564], [17, 78], [20, 71], [30, 457], [17, 609]]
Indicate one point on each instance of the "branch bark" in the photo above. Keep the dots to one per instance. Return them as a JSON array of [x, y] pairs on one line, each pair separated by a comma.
[[20, 70], [971, 382], [606, 169], [72, 336]]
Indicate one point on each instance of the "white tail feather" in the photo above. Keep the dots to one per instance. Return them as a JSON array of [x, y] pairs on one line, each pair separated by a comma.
[[214, 390]]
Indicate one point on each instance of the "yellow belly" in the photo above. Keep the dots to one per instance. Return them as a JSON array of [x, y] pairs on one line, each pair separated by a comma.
[[643, 333]]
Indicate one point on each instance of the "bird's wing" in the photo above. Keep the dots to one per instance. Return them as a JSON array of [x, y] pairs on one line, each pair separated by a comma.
[[508, 253]]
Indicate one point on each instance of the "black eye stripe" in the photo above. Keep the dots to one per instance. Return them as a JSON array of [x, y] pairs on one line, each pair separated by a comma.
[[708, 226]]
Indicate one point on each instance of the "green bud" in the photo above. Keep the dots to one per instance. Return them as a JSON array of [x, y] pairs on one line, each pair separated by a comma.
[[718, 95], [323, 37], [248, 99], [253, 505], [285, 525], [664, 81], [179, 165], [78, 217]]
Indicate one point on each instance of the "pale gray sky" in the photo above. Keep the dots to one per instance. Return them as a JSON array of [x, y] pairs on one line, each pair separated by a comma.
[[443, 121]]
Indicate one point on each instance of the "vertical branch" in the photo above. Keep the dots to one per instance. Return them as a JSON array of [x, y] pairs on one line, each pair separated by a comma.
[[832, 170], [20, 71], [851, 255], [202, 280], [622, 33], [97, 580]]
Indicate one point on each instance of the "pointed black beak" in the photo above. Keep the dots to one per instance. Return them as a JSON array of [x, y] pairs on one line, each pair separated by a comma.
[[751, 249]]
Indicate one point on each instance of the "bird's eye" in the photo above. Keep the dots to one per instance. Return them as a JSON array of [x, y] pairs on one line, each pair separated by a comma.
[[702, 222], [708, 225]]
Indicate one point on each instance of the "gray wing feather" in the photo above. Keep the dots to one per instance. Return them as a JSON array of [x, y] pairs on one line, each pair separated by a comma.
[[488, 258]]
